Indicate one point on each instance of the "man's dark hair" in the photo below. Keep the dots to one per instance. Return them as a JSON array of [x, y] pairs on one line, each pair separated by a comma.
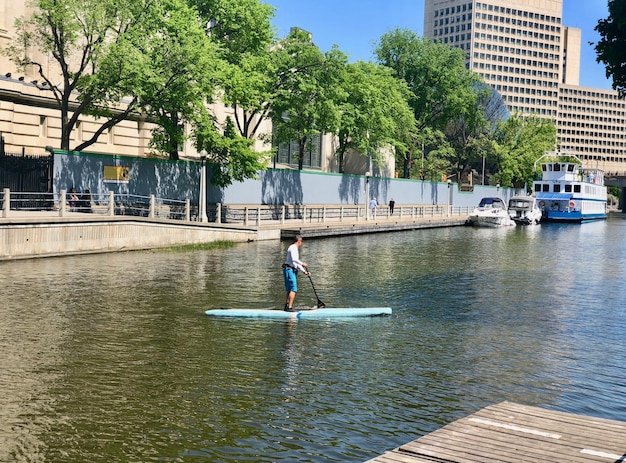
[[297, 238]]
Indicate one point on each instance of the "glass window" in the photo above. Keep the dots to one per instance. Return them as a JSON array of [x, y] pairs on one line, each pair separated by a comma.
[[288, 153]]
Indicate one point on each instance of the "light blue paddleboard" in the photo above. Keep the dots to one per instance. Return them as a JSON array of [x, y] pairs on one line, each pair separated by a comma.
[[328, 312]]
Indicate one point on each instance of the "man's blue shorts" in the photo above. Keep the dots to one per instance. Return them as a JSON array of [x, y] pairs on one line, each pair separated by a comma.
[[291, 284]]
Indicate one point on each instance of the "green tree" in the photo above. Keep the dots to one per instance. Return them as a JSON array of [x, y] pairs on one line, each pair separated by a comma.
[[521, 141], [249, 89], [471, 135], [238, 27], [180, 70], [230, 156], [442, 89], [375, 114], [77, 36], [611, 48], [244, 34], [308, 91]]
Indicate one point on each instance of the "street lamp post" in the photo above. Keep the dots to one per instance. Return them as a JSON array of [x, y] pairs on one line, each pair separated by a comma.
[[202, 217], [367, 195], [483, 180], [422, 170], [449, 197]]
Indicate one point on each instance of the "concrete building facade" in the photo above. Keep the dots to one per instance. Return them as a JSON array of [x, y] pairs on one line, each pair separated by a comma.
[[522, 50]]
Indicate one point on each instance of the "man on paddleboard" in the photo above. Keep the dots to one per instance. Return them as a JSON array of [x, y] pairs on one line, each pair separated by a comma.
[[292, 265]]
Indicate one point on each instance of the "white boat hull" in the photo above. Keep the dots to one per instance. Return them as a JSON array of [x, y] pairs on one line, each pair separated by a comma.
[[492, 213], [491, 222]]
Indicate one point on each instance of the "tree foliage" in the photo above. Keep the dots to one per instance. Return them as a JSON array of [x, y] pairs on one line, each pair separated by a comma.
[[244, 34], [230, 156], [180, 74], [611, 48], [442, 89], [375, 114], [162, 61], [521, 141], [249, 89], [308, 91], [77, 36], [239, 27], [471, 135]]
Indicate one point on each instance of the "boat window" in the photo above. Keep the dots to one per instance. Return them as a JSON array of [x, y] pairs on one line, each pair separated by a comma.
[[576, 188], [557, 188], [570, 167], [543, 167], [568, 188], [546, 187], [557, 167], [537, 186]]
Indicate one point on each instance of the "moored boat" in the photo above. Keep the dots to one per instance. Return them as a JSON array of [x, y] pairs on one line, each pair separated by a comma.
[[490, 212], [569, 193], [524, 210]]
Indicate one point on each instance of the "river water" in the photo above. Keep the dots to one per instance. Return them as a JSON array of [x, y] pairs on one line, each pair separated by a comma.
[[110, 358]]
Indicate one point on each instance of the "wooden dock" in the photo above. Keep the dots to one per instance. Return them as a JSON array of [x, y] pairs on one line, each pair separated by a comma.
[[509, 432]]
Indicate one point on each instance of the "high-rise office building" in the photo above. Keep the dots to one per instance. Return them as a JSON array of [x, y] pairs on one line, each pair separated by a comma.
[[522, 50]]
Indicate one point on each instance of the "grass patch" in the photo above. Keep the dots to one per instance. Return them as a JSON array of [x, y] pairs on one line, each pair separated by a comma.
[[200, 246]]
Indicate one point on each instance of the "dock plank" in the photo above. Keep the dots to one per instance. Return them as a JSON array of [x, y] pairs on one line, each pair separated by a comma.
[[515, 433]]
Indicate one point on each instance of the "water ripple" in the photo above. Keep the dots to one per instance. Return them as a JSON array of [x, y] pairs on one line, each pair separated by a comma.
[[110, 358]]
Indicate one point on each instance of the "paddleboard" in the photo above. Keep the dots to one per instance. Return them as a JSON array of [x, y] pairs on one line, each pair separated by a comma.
[[328, 312]]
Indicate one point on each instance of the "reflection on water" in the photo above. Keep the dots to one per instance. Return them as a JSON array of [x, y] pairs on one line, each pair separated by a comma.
[[110, 357]]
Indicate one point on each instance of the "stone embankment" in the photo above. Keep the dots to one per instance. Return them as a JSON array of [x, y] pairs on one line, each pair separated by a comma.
[[30, 234]]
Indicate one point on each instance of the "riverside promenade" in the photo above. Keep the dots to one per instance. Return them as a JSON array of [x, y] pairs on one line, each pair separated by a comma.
[[31, 234]]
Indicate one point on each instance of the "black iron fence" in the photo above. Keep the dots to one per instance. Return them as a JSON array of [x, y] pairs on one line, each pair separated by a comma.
[[21, 172]]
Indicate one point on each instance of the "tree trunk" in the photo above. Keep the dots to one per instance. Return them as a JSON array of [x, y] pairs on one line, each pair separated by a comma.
[[407, 166], [301, 147]]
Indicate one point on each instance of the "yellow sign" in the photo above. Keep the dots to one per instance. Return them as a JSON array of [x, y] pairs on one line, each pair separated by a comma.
[[116, 173]]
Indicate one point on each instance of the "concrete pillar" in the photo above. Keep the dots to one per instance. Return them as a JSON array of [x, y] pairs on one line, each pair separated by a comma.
[[111, 204], [62, 203], [6, 202], [187, 210], [151, 211]]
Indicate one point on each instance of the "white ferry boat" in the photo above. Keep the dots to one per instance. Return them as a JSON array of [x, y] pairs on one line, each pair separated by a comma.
[[569, 193]]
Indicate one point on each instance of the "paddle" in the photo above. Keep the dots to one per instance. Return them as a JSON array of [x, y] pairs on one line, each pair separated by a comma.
[[320, 304]]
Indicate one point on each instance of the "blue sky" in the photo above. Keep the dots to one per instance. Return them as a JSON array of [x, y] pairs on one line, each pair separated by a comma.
[[354, 26]]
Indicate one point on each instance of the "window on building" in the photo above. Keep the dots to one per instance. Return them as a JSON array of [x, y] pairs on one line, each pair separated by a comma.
[[288, 153]]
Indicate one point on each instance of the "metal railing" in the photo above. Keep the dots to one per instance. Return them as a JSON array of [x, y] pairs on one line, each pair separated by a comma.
[[249, 215], [111, 204]]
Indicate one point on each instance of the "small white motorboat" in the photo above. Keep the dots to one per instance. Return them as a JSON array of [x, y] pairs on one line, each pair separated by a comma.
[[524, 210], [491, 212]]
